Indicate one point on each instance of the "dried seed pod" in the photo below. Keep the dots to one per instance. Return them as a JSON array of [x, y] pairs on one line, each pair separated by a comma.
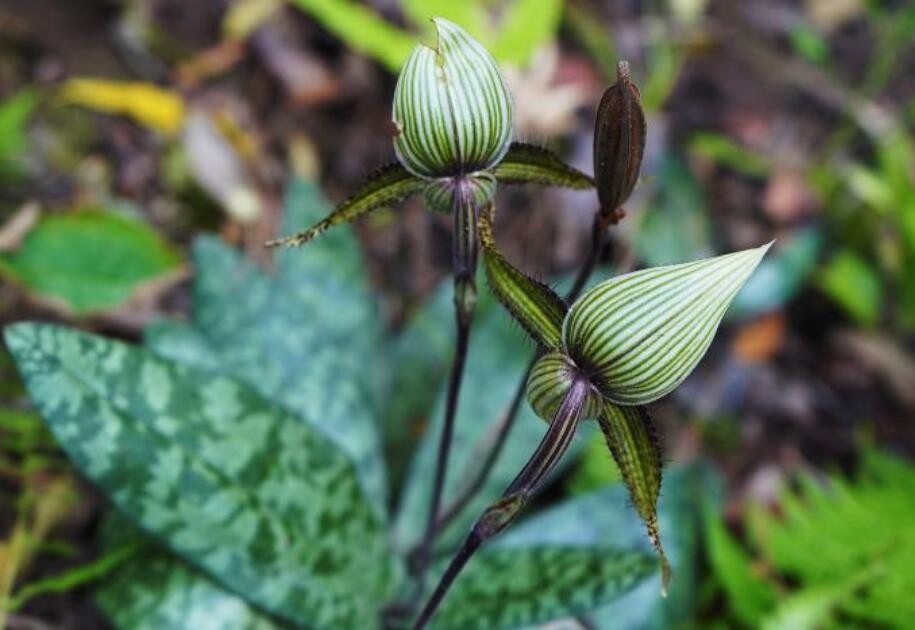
[[619, 143]]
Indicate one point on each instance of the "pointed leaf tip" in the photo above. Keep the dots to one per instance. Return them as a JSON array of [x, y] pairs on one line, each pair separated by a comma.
[[386, 185], [641, 334]]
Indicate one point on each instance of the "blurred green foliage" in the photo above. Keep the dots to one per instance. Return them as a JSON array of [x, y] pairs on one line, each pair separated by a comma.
[[838, 552], [89, 259], [523, 26]]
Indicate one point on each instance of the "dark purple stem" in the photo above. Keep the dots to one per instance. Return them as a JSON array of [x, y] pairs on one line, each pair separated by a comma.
[[501, 514], [465, 264]]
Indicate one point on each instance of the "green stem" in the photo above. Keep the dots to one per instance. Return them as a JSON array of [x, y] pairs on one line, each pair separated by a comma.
[[598, 241]]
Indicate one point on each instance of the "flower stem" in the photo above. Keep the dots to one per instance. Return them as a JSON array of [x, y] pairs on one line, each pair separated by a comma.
[[598, 241], [503, 512], [465, 296]]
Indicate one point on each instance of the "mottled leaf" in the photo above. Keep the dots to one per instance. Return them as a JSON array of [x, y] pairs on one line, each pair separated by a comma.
[[158, 590], [527, 163], [508, 587], [387, 185], [317, 288], [605, 517], [307, 335], [89, 259], [238, 486], [533, 304]]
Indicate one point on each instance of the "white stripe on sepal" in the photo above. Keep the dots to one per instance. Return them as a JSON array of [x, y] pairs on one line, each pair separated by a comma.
[[641, 334], [452, 108]]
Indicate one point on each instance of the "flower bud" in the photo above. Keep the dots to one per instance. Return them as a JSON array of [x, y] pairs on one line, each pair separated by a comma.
[[452, 109], [548, 383], [639, 335]]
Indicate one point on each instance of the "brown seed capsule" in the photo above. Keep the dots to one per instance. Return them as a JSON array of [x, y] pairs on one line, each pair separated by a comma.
[[619, 142]]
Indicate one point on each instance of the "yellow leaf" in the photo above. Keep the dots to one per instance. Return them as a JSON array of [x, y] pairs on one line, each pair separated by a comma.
[[245, 16], [148, 104]]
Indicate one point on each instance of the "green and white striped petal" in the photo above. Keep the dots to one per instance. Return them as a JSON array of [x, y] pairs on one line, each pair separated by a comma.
[[548, 383], [452, 108], [641, 334]]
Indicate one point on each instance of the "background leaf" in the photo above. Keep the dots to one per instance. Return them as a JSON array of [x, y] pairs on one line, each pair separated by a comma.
[[606, 517], [314, 317], [362, 29], [674, 227], [507, 587], [526, 25], [158, 590], [238, 486], [854, 285], [307, 335], [89, 259], [15, 112]]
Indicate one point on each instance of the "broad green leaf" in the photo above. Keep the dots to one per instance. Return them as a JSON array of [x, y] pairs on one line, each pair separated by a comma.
[[387, 185], [362, 29], [527, 163], [633, 441], [89, 259], [508, 587], [238, 486], [605, 517], [306, 335], [854, 285], [158, 590], [674, 226], [641, 334], [532, 304], [317, 288], [525, 26]]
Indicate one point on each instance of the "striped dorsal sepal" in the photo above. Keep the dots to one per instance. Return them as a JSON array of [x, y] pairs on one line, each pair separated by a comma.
[[640, 335], [452, 108], [387, 185]]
